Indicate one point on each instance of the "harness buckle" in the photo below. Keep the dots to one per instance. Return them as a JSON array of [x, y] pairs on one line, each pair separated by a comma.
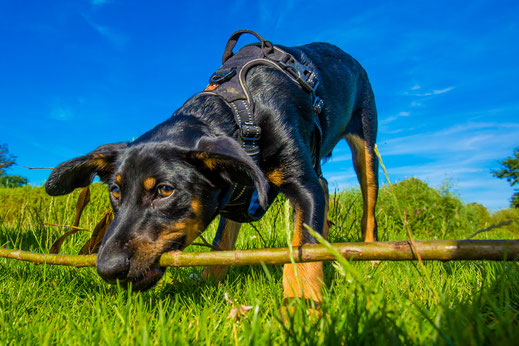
[[288, 63], [222, 75], [311, 83], [308, 80], [318, 105], [250, 131]]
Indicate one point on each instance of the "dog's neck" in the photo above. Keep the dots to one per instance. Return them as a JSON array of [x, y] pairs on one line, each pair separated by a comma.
[[202, 115]]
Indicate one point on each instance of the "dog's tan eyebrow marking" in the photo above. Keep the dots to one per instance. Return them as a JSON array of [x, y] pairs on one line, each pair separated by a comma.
[[118, 178], [209, 162], [149, 183], [99, 161]]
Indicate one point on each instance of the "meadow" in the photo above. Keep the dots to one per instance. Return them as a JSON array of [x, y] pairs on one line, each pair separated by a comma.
[[463, 302]]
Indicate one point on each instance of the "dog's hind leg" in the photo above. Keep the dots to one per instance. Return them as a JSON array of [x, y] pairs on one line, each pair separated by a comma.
[[225, 239], [326, 225], [361, 136]]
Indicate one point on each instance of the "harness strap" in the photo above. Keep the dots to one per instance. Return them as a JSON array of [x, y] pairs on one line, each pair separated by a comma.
[[229, 83], [317, 147], [250, 132], [233, 75], [266, 46]]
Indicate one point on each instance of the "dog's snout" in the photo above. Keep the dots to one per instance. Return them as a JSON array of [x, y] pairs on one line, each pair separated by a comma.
[[114, 267]]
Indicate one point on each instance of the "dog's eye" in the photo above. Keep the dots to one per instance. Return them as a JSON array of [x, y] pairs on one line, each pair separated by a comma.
[[114, 190], [165, 191]]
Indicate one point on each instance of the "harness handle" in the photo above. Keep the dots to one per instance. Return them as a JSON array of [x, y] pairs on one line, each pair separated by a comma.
[[266, 46]]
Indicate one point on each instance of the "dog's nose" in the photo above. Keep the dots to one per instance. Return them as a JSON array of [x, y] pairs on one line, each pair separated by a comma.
[[114, 267]]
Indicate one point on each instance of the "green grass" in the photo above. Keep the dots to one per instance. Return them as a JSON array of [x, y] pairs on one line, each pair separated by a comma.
[[363, 304]]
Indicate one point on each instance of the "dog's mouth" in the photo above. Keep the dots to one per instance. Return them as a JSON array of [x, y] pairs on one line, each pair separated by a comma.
[[149, 277]]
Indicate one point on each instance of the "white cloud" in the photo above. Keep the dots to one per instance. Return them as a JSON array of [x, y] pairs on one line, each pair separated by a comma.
[[429, 93], [388, 120], [392, 118], [462, 154], [116, 38], [416, 103], [61, 113], [337, 182], [99, 2], [464, 138]]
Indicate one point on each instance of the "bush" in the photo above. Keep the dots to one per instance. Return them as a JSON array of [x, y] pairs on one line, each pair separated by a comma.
[[12, 181], [431, 213], [510, 214]]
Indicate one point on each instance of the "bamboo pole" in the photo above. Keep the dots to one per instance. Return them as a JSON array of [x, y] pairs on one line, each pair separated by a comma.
[[439, 250]]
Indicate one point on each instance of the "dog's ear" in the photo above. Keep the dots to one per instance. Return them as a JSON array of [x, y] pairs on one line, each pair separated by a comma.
[[80, 172], [225, 157]]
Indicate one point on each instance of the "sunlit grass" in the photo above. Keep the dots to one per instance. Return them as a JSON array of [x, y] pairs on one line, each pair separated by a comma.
[[363, 304]]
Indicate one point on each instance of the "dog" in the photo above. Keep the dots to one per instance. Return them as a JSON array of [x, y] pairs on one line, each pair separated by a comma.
[[169, 184]]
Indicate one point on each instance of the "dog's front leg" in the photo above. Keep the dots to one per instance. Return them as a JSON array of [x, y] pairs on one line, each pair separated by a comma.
[[225, 239], [303, 280]]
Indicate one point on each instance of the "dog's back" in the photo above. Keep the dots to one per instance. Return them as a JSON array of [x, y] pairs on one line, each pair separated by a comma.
[[344, 86]]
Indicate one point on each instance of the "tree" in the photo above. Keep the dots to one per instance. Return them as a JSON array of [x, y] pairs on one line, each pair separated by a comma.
[[12, 181], [7, 160], [510, 172]]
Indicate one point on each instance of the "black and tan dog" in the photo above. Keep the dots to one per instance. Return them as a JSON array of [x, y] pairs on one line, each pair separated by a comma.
[[170, 183]]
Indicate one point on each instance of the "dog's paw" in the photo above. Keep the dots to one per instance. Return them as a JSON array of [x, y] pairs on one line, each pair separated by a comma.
[[293, 306]]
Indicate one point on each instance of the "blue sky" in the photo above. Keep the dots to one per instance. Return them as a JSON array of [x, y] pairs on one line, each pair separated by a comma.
[[78, 74]]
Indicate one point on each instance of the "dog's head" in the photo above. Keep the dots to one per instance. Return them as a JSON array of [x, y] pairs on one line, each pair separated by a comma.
[[163, 196]]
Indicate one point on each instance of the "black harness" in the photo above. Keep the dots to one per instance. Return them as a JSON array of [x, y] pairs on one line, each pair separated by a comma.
[[229, 82]]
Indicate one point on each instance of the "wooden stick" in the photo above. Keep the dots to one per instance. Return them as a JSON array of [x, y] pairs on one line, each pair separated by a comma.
[[439, 250], [502, 223], [38, 167]]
